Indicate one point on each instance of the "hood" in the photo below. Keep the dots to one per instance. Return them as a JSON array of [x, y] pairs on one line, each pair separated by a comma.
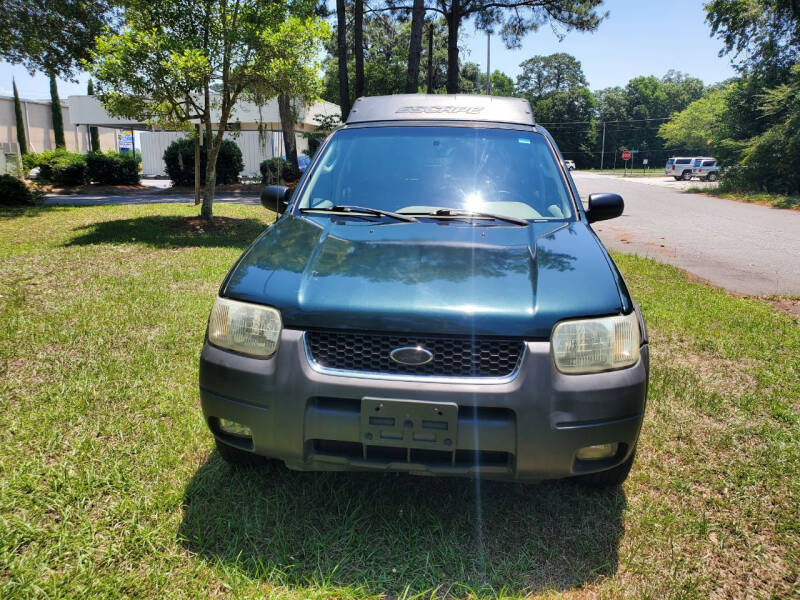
[[440, 277]]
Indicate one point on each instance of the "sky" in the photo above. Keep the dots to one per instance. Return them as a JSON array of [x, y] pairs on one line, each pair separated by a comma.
[[639, 37]]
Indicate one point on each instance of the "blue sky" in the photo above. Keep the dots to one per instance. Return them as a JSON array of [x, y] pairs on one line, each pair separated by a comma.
[[640, 37]]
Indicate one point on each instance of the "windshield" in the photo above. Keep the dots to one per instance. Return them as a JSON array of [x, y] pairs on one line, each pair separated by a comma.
[[424, 169]]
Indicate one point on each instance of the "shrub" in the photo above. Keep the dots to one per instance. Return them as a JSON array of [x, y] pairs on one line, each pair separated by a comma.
[[13, 191], [58, 167], [179, 161], [290, 172], [272, 170], [113, 168]]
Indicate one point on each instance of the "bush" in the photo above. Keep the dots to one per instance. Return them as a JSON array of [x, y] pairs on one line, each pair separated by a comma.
[[13, 192], [58, 167], [179, 161], [113, 168], [272, 170], [290, 172]]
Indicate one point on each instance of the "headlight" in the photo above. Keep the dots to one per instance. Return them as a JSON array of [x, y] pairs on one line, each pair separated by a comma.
[[247, 328], [592, 345]]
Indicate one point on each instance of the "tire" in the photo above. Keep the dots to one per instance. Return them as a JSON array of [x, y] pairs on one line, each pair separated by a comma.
[[676, 177], [610, 478], [238, 457], [686, 176], [711, 177]]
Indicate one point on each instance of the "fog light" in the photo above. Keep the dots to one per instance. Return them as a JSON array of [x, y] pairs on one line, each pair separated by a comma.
[[597, 451], [234, 428]]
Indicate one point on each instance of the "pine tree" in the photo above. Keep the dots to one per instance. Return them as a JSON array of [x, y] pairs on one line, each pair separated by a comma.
[[58, 118], [23, 141]]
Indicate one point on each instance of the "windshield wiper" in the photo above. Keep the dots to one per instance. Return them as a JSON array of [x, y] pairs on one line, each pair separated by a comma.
[[457, 212], [345, 208]]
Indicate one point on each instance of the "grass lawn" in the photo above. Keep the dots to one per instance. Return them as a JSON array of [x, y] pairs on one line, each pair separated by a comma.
[[110, 487], [637, 172], [767, 199]]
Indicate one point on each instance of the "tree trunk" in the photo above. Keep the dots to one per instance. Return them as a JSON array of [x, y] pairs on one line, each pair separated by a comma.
[[58, 117], [341, 38], [207, 211], [358, 46], [287, 125], [453, 22], [197, 135], [415, 46], [430, 58]]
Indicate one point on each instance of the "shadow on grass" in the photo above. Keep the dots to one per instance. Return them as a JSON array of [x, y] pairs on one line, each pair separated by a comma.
[[171, 232], [401, 534]]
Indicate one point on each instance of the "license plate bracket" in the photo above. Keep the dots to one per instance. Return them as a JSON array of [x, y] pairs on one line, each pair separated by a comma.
[[416, 424]]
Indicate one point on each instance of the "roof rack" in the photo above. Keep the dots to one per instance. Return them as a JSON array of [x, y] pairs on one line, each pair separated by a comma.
[[440, 107]]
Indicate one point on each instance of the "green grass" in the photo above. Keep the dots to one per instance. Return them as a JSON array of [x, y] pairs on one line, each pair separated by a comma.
[[637, 172], [110, 487], [764, 198]]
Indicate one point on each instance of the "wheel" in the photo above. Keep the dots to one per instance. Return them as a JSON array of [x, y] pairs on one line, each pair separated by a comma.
[[711, 177], [239, 457], [676, 177], [687, 175], [611, 477]]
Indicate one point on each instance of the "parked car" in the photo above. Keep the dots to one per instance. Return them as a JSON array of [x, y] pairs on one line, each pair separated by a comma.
[[433, 300], [570, 164], [679, 167], [706, 169]]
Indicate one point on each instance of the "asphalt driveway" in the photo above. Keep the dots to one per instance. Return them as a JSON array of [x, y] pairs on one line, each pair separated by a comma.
[[745, 248]]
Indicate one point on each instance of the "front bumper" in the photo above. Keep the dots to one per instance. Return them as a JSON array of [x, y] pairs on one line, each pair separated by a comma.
[[527, 428]]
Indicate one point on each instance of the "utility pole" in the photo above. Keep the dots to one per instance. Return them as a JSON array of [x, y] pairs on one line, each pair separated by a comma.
[[603, 150], [430, 58], [488, 56]]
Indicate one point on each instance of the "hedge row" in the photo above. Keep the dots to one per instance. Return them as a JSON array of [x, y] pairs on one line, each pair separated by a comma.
[[69, 169]]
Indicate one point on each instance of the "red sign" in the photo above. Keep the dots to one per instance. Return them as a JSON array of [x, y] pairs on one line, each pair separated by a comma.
[[626, 155]]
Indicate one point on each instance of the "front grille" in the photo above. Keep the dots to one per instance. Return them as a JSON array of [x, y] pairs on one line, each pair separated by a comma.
[[452, 357]]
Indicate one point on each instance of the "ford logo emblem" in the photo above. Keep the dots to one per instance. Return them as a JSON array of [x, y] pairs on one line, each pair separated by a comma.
[[411, 355]]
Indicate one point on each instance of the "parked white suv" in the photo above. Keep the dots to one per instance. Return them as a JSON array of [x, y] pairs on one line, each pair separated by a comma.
[[679, 167], [706, 169], [570, 164]]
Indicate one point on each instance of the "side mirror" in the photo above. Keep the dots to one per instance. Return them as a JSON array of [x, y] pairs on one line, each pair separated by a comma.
[[604, 206], [276, 197]]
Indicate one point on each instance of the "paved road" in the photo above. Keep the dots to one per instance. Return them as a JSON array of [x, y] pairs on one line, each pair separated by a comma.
[[746, 248]]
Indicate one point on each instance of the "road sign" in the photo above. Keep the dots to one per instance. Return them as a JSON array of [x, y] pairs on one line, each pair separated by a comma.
[[626, 155]]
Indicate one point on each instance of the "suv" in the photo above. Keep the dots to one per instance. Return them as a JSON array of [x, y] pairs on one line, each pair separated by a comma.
[[679, 167], [433, 300], [706, 169], [570, 164]]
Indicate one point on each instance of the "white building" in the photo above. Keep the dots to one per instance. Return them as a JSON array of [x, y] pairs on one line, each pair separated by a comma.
[[257, 143]]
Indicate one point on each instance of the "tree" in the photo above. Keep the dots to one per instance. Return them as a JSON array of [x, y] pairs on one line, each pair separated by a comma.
[[557, 90], [386, 44], [53, 37], [341, 55], [58, 116], [94, 136], [164, 64], [515, 18], [22, 140], [764, 34], [358, 46], [757, 134], [694, 129], [415, 46], [542, 75]]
